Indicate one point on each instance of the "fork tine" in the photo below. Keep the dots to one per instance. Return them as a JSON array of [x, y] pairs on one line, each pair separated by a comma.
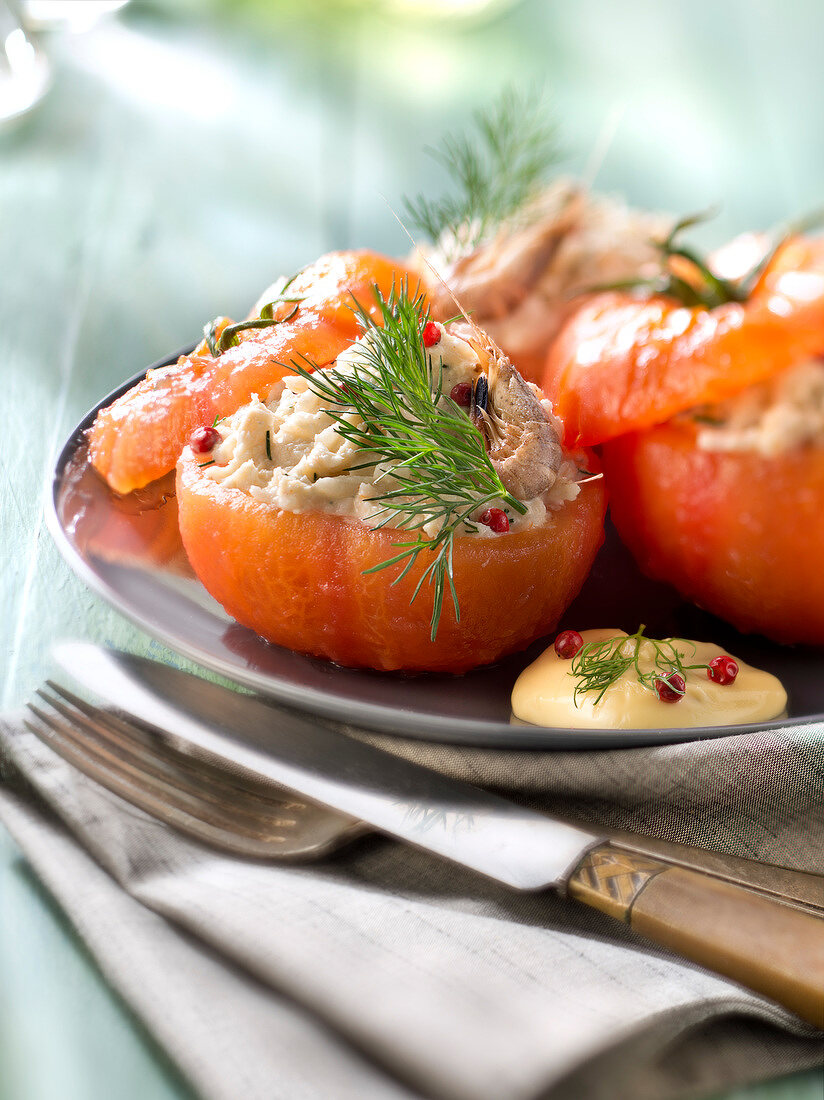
[[143, 769], [163, 809], [182, 773], [226, 810], [118, 729], [183, 810]]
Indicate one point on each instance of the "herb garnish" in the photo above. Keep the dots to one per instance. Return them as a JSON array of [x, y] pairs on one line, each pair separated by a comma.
[[228, 337], [692, 282], [496, 171], [430, 452], [598, 665]]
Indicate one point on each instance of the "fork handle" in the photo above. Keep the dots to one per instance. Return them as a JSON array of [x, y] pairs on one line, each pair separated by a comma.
[[769, 947]]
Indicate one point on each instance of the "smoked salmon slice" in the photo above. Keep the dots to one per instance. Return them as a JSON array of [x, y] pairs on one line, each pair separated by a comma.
[[140, 436], [622, 364]]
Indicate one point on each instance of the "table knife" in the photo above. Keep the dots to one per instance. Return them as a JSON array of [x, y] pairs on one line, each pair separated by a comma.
[[753, 939]]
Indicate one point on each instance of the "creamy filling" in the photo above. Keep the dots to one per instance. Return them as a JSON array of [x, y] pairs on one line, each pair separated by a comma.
[[544, 693], [287, 451], [780, 415]]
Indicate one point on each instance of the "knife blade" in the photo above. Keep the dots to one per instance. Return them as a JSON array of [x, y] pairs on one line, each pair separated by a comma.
[[772, 948]]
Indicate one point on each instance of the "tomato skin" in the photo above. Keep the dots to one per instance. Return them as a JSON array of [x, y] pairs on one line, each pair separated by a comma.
[[620, 364], [298, 580], [737, 533]]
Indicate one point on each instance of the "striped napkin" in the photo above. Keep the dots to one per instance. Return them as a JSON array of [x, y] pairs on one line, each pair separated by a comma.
[[384, 973]]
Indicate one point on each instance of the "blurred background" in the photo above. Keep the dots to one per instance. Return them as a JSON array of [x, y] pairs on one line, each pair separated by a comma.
[[206, 146], [186, 153]]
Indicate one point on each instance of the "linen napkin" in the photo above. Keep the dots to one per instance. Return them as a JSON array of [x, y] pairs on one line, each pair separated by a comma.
[[383, 972]]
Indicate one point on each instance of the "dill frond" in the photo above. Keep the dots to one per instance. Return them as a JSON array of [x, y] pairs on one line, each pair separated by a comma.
[[432, 458], [496, 169], [598, 665], [266, 319]]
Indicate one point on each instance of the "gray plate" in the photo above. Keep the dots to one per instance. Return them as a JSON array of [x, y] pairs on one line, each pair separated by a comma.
[[128, 550]]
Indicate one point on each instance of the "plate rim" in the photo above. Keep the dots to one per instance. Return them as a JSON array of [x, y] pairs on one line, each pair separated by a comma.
[[392, 721]]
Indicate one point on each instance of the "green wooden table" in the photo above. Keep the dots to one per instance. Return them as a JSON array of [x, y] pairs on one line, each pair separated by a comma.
[[187, 155]]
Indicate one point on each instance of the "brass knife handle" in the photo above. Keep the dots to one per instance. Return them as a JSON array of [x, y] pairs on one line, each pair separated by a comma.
[[769, 947]]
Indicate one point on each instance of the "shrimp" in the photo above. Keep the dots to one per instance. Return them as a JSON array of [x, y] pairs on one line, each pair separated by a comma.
[[522, 439], [139, 437], [497, 276], [523, 283]]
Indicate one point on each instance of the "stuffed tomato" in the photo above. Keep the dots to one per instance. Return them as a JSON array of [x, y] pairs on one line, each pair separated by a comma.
[[409, 508], [513, 246], [711, 420], [521, 282]]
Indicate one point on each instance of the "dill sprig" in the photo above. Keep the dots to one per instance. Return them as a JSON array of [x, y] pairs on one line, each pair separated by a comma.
[[433, 459], [496, 169], [699, 285], [266, 319], [702, 288], [598, 665]]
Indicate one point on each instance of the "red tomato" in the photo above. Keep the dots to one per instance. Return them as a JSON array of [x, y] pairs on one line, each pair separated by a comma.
[[298, 579], [738, 534]]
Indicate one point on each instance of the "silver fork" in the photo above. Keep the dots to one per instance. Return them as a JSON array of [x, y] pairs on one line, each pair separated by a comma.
[[229, 812]]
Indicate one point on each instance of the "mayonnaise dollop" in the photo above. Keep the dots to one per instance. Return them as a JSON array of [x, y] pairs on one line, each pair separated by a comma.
[[544, 693]]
